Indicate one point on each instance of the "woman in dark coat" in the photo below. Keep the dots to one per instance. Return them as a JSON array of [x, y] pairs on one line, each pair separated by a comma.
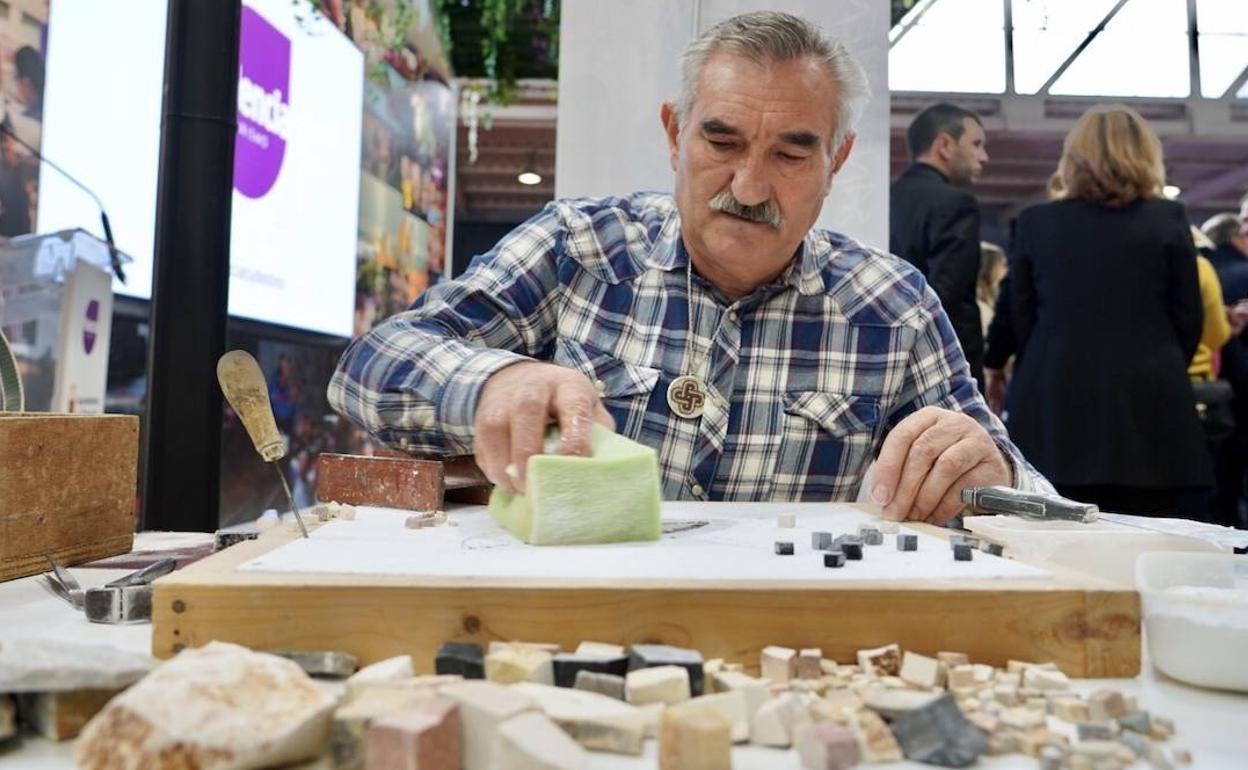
[[1108, 313]]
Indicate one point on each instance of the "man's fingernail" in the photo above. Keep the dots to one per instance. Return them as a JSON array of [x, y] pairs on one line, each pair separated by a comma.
[[879, 494], [512, 472]]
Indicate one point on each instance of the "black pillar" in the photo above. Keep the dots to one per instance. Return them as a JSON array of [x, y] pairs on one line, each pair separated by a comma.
[[190, 280]]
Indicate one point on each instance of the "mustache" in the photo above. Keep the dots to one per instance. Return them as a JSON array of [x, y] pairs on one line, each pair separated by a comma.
[[765, 213]]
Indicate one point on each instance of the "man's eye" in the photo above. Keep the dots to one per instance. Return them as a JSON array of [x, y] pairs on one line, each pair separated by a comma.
[[720, 145], [787, 156]]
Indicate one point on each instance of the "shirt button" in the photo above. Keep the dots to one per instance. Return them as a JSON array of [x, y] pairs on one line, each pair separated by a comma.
[[601, 386], [697, 490]]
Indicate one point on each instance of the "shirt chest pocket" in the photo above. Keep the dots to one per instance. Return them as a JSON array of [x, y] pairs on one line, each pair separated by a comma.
[[826, 441], [624, 388]]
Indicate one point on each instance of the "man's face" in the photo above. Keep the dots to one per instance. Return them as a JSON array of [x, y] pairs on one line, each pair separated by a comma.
[[968, 154], [762, 133]]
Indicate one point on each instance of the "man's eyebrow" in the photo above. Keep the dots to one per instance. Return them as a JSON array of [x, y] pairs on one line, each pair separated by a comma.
[[800, 138], [714, 126]]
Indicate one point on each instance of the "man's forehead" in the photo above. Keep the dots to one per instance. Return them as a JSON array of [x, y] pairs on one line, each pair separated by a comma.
[[791, 96]]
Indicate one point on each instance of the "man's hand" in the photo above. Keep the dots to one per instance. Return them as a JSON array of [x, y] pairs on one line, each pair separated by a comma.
[[514, 409], [995, 383], [926, 462]]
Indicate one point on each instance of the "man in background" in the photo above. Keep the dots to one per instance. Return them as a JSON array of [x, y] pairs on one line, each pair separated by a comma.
[[934, 225]]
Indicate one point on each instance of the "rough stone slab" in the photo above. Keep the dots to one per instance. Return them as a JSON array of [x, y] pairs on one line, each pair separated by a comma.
[[423, 736], [567, 666], [938, 734], [51, 665], [597, 722], [215, 707], [59, 716], [483, 707], [531, 741], [321, 662], [462, 658], [654, 655]]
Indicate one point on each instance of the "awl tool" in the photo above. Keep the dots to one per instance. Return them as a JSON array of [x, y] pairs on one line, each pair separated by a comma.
[[244, 387], [1029, 505], [124, 601]]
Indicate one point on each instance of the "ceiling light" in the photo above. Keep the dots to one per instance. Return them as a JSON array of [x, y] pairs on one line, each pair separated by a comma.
[[1171, 191], [529, 175]]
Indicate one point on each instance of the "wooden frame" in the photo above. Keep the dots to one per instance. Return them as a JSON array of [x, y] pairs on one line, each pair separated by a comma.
[[1086, 625]]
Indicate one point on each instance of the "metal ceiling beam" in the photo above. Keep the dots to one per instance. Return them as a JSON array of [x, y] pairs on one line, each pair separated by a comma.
[[905, 26], [1087, 41]]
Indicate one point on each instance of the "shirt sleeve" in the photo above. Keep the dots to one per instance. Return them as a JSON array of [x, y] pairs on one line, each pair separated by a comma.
[[937, 375], [413, 381]]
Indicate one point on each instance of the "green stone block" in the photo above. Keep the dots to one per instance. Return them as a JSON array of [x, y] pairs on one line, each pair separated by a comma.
[[609, 497]]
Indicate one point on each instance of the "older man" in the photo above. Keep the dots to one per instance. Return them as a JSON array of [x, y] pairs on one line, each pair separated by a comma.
[[763, 360]]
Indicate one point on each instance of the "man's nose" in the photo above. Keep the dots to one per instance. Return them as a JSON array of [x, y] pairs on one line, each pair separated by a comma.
[[750, 185]]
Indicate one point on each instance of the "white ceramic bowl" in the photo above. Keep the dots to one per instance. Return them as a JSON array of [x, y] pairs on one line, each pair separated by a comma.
[[1196, 616]]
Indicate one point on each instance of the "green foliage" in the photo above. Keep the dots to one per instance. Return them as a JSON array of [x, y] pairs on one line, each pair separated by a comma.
[[501, 41]]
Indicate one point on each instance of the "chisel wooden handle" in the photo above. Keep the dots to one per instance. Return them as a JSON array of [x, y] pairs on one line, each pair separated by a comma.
[[244, 387]]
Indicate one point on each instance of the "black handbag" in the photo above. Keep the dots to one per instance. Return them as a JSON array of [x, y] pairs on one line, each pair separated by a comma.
[[1213, 408]]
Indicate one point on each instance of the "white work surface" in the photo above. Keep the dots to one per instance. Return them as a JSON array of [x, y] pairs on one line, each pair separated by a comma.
[[1213, 725], [737, 542]]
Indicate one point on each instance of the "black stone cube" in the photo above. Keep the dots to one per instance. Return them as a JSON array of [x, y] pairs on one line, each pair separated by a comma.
[[834, 559], [907, 542], [784, 548], [463, 658], [963, 552]]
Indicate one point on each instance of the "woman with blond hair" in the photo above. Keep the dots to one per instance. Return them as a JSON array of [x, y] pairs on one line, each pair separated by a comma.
[[1108, 313]]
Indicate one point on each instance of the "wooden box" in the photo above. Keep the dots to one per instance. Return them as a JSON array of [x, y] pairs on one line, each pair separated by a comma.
[[1088, 626], [67, 488]]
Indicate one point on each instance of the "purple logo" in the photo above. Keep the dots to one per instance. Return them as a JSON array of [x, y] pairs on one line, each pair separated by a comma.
[[88, 328], [263, 104]]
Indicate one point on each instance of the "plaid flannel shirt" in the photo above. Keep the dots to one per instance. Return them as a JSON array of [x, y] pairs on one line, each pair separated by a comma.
[[804, 377]]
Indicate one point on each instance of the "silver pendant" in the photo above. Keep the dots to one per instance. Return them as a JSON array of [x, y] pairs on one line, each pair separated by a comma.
[[686, 397]]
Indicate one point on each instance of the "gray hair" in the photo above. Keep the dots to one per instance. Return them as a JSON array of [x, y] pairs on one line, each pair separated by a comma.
[[776, 36], [1221, 228]]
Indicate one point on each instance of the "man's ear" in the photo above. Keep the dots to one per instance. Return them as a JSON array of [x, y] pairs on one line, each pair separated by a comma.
[[671, 128], [943, 147]]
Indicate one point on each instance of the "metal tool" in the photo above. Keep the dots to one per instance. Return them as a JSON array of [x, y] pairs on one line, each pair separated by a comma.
[[124, 601], [244, 387], [63, 584], [1029, 505]]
